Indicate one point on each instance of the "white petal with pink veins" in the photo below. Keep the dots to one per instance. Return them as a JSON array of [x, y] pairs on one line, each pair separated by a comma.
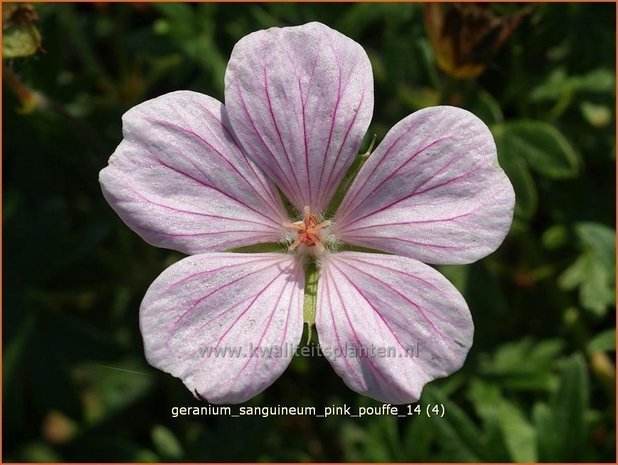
[[179, 180], [300, 100], [396, 305], [432, 190], [226, 324]]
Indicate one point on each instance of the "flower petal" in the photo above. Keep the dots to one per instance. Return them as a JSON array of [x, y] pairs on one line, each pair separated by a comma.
[[179, 180], [226, 324], [300, 100], [389, 324], [432, 190]]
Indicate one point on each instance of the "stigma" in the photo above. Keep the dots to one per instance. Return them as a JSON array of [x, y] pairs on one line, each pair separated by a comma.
[[309, 233]]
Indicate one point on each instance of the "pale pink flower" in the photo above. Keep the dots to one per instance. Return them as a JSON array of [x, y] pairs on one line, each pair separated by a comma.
[[199, 177]]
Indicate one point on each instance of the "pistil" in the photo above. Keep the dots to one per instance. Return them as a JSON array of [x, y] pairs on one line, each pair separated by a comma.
[[309, 231]]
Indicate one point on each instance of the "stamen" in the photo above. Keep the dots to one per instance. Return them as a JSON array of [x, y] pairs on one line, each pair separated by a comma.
[[308, 231]]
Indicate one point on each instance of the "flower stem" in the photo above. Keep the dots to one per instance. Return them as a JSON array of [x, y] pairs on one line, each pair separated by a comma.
[[310, 300]]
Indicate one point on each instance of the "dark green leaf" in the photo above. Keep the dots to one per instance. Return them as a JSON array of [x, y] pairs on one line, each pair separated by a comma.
[[605, 341], [519, 435], [569, 406], [458, 433], [526, 197], [542, 147], [166, 443]]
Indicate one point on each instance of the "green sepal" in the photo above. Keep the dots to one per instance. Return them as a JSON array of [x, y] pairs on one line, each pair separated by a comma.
[[349, 177], [289, 208]]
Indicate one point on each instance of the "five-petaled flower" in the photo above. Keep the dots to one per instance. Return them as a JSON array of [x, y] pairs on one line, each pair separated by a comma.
[[199, 177]]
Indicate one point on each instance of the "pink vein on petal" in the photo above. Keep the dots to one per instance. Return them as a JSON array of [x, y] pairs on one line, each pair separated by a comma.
[[267, 187], [201, 299], [202, 273], [209, 233], [257, 296], [287, 319], [331, 180], [327, 291], [209, 145], [285, 182], [401, 239], [417, 192], [204, 184], [347, 257], [402, 223], [391, 175], [332, 121], [370, 361], [348, 201], [414, 304], [276, 127], [375, 310], [191, 212]]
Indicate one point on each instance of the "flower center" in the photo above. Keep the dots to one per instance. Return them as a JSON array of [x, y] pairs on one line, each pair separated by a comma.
[[309, 233]]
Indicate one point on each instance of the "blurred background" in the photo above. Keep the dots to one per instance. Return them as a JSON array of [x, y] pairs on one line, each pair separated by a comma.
[[538, 384]]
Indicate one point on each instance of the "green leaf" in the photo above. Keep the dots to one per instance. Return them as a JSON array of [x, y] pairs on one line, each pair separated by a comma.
[[166, 443], [573, 275], [555, 237], [519, 435], [598, 116], [558, 85], [605, 341], [524, 365], [597, 81], [542, 147], [458, 275], [552, 88], [37, 452], [457, 432], [192, 28], [569, 406], [596, 292], [114, 387], [384, 433], [593, 271], [486, 398], [526, 197], [484, 105], [417, 439], [548, 438], [562, 429], [600, 239], [20, 41], [15, 351], [378, 441]]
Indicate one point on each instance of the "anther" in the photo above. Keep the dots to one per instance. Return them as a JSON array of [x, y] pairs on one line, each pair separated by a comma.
[[308, 231]]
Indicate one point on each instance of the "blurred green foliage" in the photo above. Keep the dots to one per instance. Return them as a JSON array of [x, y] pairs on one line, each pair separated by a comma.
[[538, 384]]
